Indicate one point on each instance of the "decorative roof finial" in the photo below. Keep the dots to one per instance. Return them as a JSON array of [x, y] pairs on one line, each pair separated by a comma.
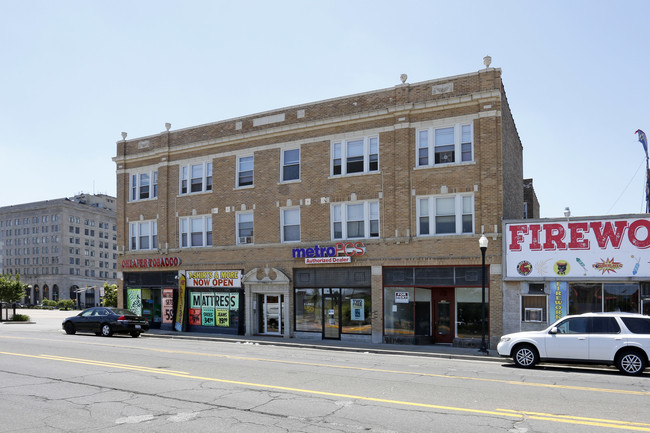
[[403, 77], [487, 60]]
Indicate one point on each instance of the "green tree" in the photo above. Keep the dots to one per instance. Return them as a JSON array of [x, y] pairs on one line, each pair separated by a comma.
[[110, 295], [11, 289]]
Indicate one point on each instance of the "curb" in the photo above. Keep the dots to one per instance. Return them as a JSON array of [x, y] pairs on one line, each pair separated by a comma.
[[488, 358]]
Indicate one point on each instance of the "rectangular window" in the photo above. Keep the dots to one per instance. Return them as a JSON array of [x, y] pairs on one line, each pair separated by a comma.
[[195, 178], [290, 223], [196, 231], [245, 167], [245, 228], [355, 220], [290, 165], [143, 235], [355, 156], [143, 186], [533, 308], [448, 214], [448, 145]]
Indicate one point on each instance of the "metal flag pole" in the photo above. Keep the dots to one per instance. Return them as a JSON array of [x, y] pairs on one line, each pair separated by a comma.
[[644, 141]]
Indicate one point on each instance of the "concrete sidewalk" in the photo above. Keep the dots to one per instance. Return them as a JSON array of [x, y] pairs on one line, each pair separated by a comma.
[[430, 350]]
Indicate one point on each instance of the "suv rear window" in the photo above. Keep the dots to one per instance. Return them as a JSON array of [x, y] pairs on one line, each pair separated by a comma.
[[637, 325]]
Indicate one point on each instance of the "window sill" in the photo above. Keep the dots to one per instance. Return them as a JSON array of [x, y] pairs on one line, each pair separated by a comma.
[[284, 182], [243, 187], [365, 173], [451, 164], [194, 193]]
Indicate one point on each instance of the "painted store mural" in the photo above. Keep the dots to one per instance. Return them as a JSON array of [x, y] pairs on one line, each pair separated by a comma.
[[556, 267], [606, 249]]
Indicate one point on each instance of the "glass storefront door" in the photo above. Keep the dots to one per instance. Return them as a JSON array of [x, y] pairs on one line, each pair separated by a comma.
[[332, 314], [443, 315], [272, 314]]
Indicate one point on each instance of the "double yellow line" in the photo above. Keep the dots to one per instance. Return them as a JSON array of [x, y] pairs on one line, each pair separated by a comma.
[[523, 415]]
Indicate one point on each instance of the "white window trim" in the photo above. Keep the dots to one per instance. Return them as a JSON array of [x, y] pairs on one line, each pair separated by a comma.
[[134, 231], [432, 214], [239, 158], [431, 146], [205, 219], [204, 178], [282, 225], [344, 219], [282, 165], [240, 239], [137, 185], [344, 155]]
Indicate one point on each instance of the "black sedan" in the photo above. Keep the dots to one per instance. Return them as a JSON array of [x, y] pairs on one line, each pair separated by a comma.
[[106, 321]]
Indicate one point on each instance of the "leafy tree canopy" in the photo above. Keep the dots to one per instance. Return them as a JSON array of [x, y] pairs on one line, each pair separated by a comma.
[[11, 289]]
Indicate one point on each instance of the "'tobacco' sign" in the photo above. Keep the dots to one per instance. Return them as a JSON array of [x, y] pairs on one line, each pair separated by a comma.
[[604, 248], [156, 262]]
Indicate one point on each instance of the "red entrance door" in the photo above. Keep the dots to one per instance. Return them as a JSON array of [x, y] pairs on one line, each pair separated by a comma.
[[443, 314]]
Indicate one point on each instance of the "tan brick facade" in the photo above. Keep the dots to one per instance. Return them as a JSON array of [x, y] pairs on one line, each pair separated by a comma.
[[492, 177]]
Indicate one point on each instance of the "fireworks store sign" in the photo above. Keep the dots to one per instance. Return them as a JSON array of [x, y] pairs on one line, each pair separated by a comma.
[[601, 248]]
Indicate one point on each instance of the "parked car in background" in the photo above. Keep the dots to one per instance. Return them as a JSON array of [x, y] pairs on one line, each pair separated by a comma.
[[620, 339], [106, 321]]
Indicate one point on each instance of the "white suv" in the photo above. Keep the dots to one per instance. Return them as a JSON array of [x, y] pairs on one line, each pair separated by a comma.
[[620, 339]]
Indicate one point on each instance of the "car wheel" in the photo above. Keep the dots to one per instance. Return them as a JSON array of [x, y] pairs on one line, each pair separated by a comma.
[[525, 356], [106, 330], [135, 334], [630, 362], [69, 328]]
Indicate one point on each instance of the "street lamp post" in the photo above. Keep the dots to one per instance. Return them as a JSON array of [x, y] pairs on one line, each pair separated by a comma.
[[483, 244]]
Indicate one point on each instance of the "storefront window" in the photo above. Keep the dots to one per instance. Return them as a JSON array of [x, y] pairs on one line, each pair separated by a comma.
[[585, 298], [622, 297], [398, 311], [468, 311], [356, 311], [214, 309], [309, 312]]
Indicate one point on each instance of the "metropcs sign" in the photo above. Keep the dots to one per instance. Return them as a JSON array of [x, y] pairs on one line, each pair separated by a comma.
[[605, 248], [341, 252]]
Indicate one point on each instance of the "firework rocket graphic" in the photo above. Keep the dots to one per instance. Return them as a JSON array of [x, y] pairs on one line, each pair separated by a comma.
[[581, 264]]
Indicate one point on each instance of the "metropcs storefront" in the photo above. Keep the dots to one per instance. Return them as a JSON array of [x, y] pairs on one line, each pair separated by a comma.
[[573, 266]]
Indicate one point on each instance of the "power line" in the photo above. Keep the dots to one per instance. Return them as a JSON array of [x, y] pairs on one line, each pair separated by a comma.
[[627, 186]]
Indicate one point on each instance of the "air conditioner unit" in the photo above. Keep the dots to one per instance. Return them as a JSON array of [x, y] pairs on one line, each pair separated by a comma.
[[245, 239]]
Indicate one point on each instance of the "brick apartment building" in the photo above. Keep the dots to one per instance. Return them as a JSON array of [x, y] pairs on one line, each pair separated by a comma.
[[62, 249], [351, 218]]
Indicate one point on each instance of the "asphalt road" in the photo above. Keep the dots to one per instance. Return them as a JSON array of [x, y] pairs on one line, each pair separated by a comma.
[[52, 382]]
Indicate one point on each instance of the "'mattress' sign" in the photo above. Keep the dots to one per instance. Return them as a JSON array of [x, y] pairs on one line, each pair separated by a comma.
[[604, 248], [213, 279]]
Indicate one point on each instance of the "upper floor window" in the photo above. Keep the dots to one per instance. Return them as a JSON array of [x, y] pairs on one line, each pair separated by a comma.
[[448, 145], [196, 231], [141, 186], [196, 178], [290, 223], [245, 165], [143, 235], [245, 228], [355, 220], [448, 214], [355, 156], [290, 165]]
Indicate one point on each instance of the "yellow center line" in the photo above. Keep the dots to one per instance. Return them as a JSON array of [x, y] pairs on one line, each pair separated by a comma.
[[376, 370], [615, 424]]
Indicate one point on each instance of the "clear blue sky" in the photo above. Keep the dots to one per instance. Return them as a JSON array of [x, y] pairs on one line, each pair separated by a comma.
[[75, 74]]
